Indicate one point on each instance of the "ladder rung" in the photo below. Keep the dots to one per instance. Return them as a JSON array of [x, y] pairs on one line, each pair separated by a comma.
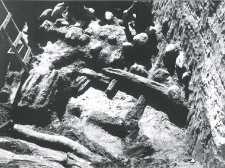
[[6, 21], [18, 38], [16, 42], [10, 51], [27, 54], [20, 48]]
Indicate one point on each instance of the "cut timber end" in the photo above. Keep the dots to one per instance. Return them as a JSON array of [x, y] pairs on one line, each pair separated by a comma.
[[111, 89]]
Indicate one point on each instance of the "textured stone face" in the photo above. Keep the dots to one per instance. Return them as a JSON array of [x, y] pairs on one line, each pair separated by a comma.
[[74, 34], [190, 62], [205, 120]]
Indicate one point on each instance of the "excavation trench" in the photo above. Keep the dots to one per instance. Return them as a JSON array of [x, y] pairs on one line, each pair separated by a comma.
[[104, 92]]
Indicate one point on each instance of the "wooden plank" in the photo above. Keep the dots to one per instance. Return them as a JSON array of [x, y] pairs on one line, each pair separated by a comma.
[[27, 54], [6, 21]]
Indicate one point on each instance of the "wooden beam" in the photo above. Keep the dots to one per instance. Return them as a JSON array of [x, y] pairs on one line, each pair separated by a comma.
[[56, 142], [149, 88], [136, 79], [6, 21], [94, 75]]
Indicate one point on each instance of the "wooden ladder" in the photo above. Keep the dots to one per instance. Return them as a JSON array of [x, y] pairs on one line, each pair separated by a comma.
[[16, 45]]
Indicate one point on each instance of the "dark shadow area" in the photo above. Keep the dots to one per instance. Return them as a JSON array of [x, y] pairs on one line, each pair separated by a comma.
[[116, 7], [165, 28], [169, 61], [24, 115]]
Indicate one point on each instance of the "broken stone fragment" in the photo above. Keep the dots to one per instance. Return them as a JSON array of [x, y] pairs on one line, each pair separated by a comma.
[[57, 11], [186, 77], [84, 39], [80, 24], [46, 15], [88, 31], [73, 34], [127, 49], [171, 48], [174, 92], [150, 30], [116, 58], [47, 26], [109, 58], [113, 125], [90, 13], [112, 40], [104, 56], [127, 45], [139, 70], [140, 39], [61, 22], [180, 61], [96, 48], [161, 75], [109, 16]]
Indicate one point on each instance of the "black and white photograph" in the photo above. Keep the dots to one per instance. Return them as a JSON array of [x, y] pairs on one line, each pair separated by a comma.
[[112, 84]]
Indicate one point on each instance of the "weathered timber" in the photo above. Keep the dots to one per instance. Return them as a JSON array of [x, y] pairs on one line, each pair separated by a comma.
[[79, 81], [95, 75], [55, 142], [136, 79], [147, 86], [111, 89], [22, 147], [132, 118], [75, 161], [82, 83], [84, 87], [5, 125], [138, 109], [9, 159]]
